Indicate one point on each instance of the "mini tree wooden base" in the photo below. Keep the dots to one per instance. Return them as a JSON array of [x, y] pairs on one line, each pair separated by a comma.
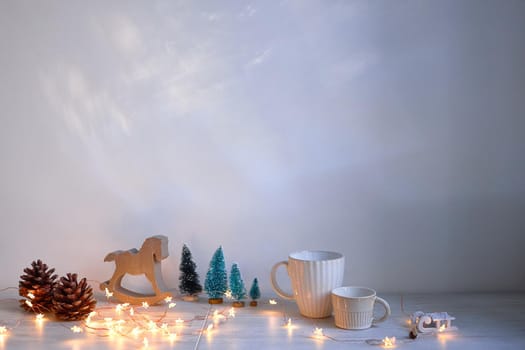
[[190, 297], [215, 300], [238, 304], [253, 303]]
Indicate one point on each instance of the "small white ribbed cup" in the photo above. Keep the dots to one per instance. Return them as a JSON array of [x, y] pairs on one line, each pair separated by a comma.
[[354, 307], [314, 274]]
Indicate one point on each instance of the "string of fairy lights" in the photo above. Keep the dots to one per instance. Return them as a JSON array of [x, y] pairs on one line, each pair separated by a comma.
[[144, 325]]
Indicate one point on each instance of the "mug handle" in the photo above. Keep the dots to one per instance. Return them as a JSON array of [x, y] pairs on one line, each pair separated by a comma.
[[275, 286], [387, 310]]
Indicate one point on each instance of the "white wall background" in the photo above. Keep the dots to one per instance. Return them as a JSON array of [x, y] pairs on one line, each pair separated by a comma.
[[392, 131]]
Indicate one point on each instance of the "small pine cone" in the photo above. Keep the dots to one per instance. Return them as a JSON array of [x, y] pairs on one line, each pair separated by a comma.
[[36, 286], [73, 300]]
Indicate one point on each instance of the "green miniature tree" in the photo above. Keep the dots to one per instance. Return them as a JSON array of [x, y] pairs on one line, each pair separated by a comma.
[[189, 284], [255, 292], [237, 286], [216, 282]]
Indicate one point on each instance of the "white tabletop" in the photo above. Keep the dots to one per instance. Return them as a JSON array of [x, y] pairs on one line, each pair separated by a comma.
[[484, 321]]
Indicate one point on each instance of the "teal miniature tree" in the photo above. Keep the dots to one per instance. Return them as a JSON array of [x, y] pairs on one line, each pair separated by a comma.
[[189, 284], [255, 292], [216, 282], [237, 286]]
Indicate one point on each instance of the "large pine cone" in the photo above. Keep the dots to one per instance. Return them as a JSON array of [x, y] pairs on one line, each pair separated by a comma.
[[73, 300], [36, 286]]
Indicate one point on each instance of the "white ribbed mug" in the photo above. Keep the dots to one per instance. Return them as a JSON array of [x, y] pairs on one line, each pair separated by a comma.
[[354, 307], [314, 274]]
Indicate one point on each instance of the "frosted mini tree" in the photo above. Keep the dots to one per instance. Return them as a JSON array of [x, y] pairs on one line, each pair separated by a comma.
[[189, 284], [216, 282], [255, 292], [237, 286]]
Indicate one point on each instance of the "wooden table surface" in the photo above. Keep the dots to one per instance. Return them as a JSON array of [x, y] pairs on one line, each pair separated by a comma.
[[484, 321]]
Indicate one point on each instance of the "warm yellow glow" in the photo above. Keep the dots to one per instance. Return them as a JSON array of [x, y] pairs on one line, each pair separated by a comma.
[[131, 311], [152, 327], [118, 308], [76, 329], [108, 293], [443, 337], [228, 294], [136, 332], [145, 342], [28, 303], [39, 318], [289, 323], [231, 313], [179, 322], [171, 305], [272, 302], [3, 335], [30, 295], [120, 326], [145, 305], [164, 328], [108, 321], [209, 328], [168, 299], [217, 317], [172, 338], [389, 343], [442, 328], [318, 333], [90, 316]]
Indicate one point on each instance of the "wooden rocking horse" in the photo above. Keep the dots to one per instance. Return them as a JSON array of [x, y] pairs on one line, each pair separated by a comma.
[[145, 261]]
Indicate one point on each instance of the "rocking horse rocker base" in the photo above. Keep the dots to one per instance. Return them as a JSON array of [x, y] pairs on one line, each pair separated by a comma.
[[128, 296], [145, 261]]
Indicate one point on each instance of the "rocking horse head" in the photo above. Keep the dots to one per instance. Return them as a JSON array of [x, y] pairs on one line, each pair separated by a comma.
[[158, 245]]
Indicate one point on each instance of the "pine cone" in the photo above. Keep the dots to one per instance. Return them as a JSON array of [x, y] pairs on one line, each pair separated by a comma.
[[73, 300], [36, 286]]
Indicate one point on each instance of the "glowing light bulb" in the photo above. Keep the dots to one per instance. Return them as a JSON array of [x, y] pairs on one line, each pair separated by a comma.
[[442, 328], [228, 294], [389, 343], [172, 337], [131, 311], [272, 302], [39, 318], [289, 323], [168, 299], [145, 342], [145, 305], [209, 328], [136, 332], [318, 333], [30, 295], [171, 305], [76, 329], [108, 293], [231, 313], [3, 330], [152, 326], [28, 303]]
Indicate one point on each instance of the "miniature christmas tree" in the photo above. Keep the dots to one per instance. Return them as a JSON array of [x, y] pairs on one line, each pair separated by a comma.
[[255, 293], [189, 279], [237, 286], [216, 282]]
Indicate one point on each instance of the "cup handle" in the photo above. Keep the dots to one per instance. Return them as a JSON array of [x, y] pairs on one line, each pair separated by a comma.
[[275, 286], [387, 310]]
